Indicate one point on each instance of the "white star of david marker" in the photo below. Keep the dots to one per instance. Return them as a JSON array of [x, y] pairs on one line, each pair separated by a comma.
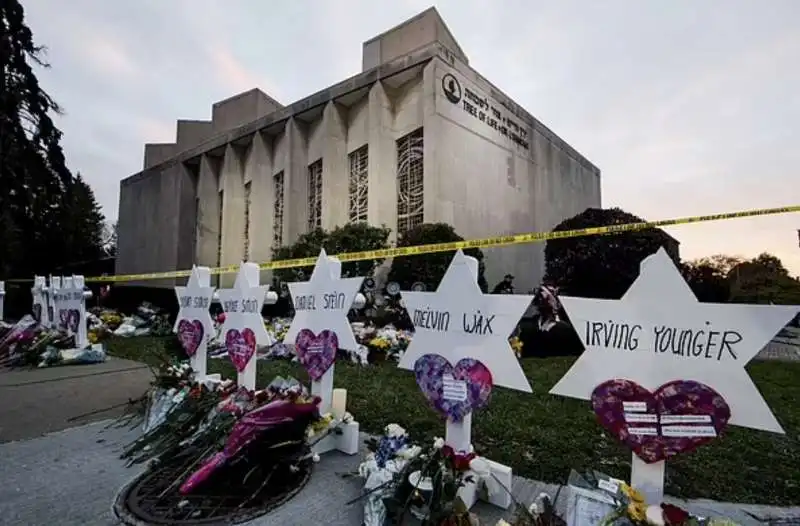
[[323, 303], [440, 319], [194, 301], [242, 304], [705, 342]]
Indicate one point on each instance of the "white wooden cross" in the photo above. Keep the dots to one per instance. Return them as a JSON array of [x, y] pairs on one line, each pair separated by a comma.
[[456, 322], [658, 333], [194, 325], [243, 330], [321, 304]]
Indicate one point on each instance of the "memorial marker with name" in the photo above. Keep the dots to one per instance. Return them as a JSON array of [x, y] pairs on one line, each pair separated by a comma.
[[666, 373], [243, 329], [70, 300], [319, 328], [194, 325], [460, 351]]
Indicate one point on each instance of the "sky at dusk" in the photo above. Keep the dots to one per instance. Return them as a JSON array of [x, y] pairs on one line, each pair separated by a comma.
[[687, 107]]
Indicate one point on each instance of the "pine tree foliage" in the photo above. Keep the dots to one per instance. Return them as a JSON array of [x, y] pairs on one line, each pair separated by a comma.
[[48, 218]]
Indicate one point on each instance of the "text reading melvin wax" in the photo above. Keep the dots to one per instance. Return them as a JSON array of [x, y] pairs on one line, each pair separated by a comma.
[[707, 342], [471, 322]]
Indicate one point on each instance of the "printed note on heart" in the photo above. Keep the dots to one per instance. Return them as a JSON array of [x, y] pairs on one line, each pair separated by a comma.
[[190, 334], [453, 391], [316, 353], [676, 418], [241, 347]]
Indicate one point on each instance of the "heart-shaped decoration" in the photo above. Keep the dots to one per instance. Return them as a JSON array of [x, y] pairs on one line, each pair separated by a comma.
[[316, 353], [63, 319], [678, 417], [74, 319], [37, 312], [453, 391], [241, 347], [190, 334]]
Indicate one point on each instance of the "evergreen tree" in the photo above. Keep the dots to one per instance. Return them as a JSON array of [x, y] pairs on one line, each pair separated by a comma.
[[41, 226], [83, 222]]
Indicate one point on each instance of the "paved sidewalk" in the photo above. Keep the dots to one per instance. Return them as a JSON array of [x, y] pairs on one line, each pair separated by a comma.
[[50, 399], [72, 477]]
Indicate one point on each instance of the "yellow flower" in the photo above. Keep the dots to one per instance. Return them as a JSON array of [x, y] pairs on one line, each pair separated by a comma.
[[632, 494], [92, 336], [637, 511]]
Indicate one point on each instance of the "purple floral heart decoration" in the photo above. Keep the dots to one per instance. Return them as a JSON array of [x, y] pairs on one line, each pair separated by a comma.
[[664, 423], [457, 391], [241, 347], [316, 353], [190, 334], [63, 319], [74, 319]]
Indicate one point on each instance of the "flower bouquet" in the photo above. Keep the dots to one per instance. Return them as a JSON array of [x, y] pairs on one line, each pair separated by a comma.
[[404, 479], [628, 507]]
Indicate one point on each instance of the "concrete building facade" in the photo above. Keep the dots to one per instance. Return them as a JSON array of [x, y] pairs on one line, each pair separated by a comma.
[[418, 136]]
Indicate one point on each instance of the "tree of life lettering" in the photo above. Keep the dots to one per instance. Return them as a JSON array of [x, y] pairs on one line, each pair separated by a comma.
[[194, 325], [658, 339], [460, 351], [243, 329]]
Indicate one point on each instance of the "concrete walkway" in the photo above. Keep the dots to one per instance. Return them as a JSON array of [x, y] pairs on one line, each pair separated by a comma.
[[72, 477], [38, 401]]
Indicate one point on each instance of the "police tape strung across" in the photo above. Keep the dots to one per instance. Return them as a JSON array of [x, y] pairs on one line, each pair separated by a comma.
[[517, 239]]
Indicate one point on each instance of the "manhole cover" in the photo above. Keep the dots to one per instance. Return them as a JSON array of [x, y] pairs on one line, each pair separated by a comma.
[[242, 492]]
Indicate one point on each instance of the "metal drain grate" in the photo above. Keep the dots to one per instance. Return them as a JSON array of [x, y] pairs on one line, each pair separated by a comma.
[[242, 493]]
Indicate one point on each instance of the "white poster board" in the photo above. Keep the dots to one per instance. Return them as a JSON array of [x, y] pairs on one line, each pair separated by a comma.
[[194, 325], [461, 324], [243, 330], [657, 334], [320, 327]]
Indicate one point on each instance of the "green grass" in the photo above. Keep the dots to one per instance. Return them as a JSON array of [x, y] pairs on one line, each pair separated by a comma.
[[544, 436]]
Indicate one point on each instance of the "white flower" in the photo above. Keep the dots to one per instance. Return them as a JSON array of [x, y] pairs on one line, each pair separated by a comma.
[[534, 510], [347, 418], [438, 443], [395, 431], [407, 453], [315, 458], [502, 522], [654, 516]]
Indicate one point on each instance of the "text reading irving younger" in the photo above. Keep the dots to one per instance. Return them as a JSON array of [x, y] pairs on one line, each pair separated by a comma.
[[708, 343]]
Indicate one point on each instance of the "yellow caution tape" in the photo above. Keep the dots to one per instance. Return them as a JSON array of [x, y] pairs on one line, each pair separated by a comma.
[[489, 242]]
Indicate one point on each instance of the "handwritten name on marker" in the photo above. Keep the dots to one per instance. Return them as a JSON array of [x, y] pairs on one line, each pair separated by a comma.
[[704, 343]]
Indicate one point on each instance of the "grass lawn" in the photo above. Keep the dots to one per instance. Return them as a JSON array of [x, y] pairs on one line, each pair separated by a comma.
[[544, 436]]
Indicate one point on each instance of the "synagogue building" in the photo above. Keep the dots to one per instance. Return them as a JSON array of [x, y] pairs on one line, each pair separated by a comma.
[[417, 137]]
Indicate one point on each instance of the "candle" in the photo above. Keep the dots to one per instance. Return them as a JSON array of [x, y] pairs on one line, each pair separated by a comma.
[[339, 403]]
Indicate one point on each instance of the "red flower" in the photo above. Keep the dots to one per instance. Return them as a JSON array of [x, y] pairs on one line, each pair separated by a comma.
[[460, 462], [221, 317], [673, 515]]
